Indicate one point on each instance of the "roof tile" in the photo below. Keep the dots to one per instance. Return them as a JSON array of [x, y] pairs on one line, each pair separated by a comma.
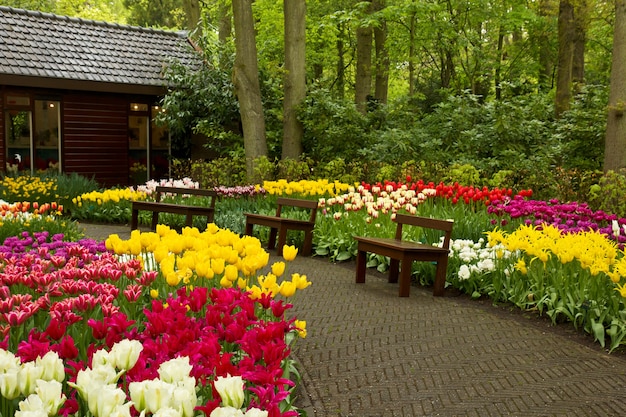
[[47, 45]]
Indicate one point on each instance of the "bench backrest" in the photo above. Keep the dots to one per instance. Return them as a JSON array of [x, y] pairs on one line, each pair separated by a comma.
[[427, 223], [295, 202], [161, 191]]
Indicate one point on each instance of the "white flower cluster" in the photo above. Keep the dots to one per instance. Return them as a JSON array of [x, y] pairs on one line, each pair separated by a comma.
[[150, 186], [476, 257], [230, 389], [173, 394], [40, 381]]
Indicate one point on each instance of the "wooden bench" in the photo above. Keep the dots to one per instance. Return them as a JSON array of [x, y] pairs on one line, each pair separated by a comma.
[[280, 225], [403, 253], [188, 211]]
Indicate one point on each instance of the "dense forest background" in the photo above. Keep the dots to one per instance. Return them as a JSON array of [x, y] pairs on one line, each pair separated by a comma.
[[491, 91]]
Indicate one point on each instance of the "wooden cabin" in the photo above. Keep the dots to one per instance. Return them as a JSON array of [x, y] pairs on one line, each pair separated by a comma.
[[80, 96]]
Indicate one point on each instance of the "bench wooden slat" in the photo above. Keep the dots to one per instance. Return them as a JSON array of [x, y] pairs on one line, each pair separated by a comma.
[[403, 253], [188, 211], [280, 225]]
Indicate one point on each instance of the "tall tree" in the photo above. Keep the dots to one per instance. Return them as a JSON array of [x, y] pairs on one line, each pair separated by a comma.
[[363, 79], [615, 141], [247, 87], [381, 84], [295, 76], [192, 12], [566, 31]]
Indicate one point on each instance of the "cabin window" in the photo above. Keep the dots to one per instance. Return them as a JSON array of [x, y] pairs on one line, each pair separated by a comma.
[[33, 134], [138, 136], [159, 147]]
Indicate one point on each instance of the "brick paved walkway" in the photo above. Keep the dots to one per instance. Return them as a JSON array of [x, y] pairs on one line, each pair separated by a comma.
[[369, 353]]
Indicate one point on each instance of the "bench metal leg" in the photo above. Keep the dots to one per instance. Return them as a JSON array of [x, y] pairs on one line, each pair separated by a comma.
[[189, 220], [360, 267], [405, 277]]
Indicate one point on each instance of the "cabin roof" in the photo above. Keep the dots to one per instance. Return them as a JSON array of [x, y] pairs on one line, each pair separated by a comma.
[[46, 50]]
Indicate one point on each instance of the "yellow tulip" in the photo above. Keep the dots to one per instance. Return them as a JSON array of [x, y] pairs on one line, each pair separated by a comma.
[[287, 289], [300, 281], [289, 252], [226, 283], [278, 268], [217, 265], [154, 293], [173, 279], [300, 327], [231, 272]]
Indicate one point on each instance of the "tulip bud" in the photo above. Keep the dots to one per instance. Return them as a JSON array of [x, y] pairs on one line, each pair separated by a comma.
[[51, 395], [53, 368], [28, 376], [255, 412], [125, 354], [230, 389], [9, 384], [227, 412], [175, 370]]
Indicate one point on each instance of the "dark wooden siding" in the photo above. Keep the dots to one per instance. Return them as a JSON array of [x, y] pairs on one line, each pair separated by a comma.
[[95, 137], [2, 149]]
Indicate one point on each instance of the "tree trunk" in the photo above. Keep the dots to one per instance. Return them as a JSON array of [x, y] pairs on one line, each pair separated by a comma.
[[192, 11], [363, 79], [295, 76], [224, 19], [498, 72], [381, 85], [615, 142], [341, 65], [412, 31], [247, 88], [547, 10], [565, 60], [581, 16]]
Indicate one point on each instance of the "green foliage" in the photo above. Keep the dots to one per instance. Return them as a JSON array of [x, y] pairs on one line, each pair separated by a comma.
[[294, 170], [203, 101], [264, 169], [332, 127], [70, 186], [580, 132], [220, 171], [608, 194], [463, 174]]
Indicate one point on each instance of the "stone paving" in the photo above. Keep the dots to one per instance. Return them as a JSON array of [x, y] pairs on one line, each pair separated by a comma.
[[369, 353]]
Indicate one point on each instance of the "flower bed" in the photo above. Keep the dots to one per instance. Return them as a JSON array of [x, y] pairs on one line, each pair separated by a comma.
[[174, 296]]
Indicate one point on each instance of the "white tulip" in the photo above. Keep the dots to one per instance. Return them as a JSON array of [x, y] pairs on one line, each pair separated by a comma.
[[125, 353], [137, 395], [157, 395], [89, 380], [230, 389], [51, 394], [167, 412], [175, 370], [53, 368], [103, 400], [9, 384], [28, 376], [226, 412], [184, 400], [255, 412]]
